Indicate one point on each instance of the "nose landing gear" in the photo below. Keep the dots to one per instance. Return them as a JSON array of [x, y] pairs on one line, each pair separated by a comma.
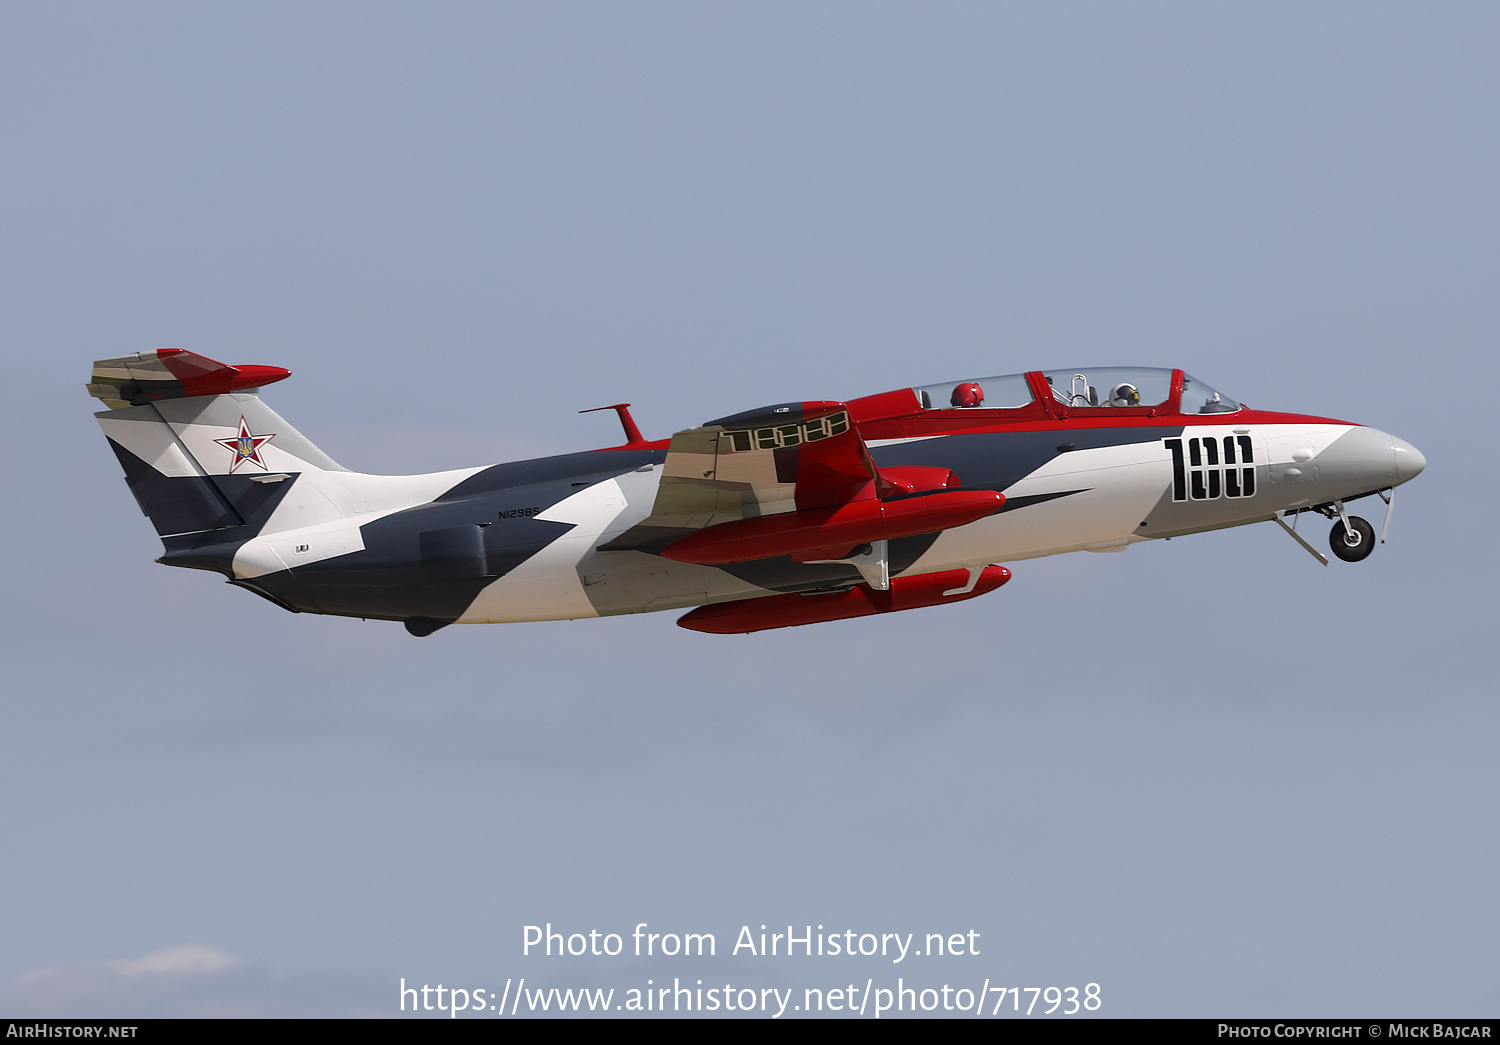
[[1351, 538], [1352, 541]]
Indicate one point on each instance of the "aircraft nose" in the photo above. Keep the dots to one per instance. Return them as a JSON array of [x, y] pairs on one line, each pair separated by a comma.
[[1409, 460]]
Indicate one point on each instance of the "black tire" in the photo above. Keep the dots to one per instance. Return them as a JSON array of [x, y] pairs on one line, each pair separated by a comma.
[[1352, 547]]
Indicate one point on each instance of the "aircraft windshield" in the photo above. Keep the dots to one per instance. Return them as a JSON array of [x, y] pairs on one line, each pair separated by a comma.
[[993, 393], [1110, 386], [1198, 398]]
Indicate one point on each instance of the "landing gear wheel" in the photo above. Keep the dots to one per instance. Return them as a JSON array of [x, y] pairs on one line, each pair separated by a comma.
[[1352, 546]]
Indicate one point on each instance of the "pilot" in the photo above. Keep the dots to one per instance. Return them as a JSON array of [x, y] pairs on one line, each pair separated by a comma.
[[967, 394], [1125, 395]]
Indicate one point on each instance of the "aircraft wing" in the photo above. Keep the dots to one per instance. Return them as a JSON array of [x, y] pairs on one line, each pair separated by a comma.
[[805, 462], [763, 462], [783, 458]]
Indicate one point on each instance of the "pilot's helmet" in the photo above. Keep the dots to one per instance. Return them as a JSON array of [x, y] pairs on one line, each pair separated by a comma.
[[1126, 395], [968, 394]]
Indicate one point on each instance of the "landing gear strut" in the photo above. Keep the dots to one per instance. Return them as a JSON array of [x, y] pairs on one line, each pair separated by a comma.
[[1352, 538]]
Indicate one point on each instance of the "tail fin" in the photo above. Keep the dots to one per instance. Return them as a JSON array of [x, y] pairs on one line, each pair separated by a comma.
[[201, 452], [226, 481]]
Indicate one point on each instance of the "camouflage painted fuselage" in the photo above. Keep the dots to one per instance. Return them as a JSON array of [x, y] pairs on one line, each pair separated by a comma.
[[231, 487]]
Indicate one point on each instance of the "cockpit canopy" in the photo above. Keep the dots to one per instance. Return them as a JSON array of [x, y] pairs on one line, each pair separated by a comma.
[[1198, 398], [1085, 388]]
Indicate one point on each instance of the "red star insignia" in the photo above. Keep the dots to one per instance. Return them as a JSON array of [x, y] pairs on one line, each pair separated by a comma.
[[245, 447]]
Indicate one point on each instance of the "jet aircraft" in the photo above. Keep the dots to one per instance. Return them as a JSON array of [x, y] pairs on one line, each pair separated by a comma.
[[791, 514]]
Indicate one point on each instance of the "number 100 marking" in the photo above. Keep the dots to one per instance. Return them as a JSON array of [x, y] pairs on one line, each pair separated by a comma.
[[1204, 473]]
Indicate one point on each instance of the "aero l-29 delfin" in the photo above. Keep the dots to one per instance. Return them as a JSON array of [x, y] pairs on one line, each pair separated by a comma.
[[790, 514]]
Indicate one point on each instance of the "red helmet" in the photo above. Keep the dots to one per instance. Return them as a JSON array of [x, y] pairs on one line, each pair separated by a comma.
[[968, 394]]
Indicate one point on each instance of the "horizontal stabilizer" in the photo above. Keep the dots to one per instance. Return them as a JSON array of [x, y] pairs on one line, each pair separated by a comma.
[[172, 373]]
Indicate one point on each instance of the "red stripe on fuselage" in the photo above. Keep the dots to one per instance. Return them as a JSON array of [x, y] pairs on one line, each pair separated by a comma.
[[954, 422]]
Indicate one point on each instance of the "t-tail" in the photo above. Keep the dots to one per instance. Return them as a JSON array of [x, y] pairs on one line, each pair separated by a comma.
[[229, 485]]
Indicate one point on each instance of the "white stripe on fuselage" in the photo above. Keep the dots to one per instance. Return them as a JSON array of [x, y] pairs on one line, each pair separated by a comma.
[[908, 439], [289, 549], [1119, 486], [547, 586], [361, 498]]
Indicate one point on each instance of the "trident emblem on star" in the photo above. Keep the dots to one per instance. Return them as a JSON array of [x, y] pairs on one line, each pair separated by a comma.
[[245, 447]]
